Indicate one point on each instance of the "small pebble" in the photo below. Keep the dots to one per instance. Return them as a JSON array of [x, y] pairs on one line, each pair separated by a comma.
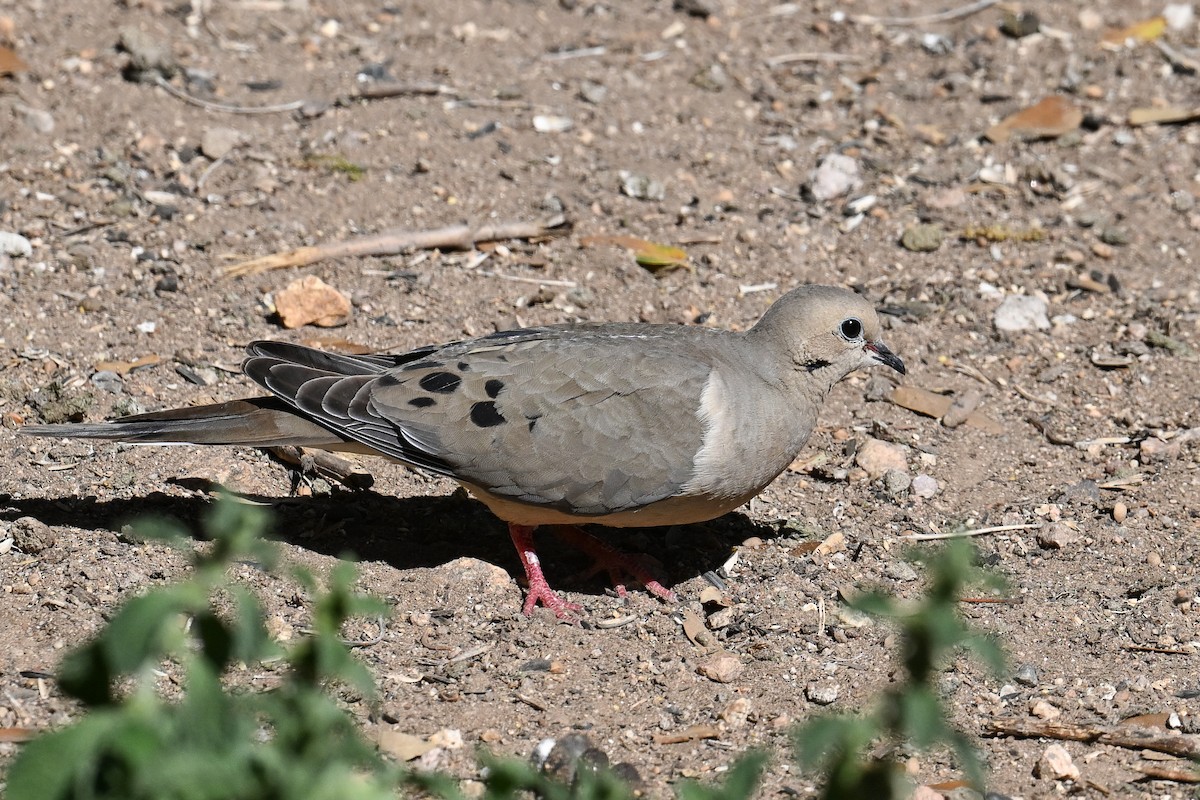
[[1056, 764], [1018, 25], [722, 668], [1044, 709], [1114, 236], [1119, 512], [1056, 536], [592, 92], [1027, 675], [835, 176], [641, 187], [1179, 16], [924, 486], [736, 714], [877, 457], [896, 482], [936, 44], [963, 406], [922, 238], [1021, 313], [543, 123], [108, 381], [823, 693], [900, 571], [31, 536], [14, 244], [217, 142]]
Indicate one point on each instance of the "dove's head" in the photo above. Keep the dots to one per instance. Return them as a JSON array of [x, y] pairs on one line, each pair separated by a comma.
[[827, 332]]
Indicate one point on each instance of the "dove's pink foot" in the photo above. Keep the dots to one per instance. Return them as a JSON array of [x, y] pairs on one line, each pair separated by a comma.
[[539, 587], [613, 561]]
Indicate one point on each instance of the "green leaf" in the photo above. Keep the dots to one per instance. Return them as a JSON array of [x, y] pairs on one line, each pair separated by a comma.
[[48, 767]]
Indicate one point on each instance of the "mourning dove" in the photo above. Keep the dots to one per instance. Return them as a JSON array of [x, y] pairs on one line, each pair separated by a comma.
[[625, 425]]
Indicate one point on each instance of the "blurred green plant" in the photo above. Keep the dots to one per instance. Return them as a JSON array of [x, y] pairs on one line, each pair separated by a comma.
[[212, 742], [290, 742], [293, 741], [910, 712]]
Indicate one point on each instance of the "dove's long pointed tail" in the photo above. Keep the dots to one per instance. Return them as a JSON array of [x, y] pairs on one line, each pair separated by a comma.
[[254, 422]]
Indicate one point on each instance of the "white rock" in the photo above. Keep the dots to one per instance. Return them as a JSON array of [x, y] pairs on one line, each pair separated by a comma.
[[1021, 312], [217, 142], [822, 693], [1056, 764], [877, 457], [544, 123], [1179, 16], [836, 175], [924, 486], [14, 244]]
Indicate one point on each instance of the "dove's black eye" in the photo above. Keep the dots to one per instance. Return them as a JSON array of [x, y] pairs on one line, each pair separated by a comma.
[[851, 328]]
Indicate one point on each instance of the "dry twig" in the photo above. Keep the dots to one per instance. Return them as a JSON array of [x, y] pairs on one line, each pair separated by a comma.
[[326, 464], [927, 537], [1167, 774], [209, 105], [926, 19], [1182, 746], [394, 242]]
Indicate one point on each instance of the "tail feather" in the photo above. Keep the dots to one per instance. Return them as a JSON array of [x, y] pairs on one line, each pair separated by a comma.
[[254, 422]]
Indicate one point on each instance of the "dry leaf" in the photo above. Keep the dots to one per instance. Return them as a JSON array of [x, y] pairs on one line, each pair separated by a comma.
[[10, 62], [403, 746], [657, 258], [930, 134], [693, 628], [804, 549], [312, 301], [1147, 720], [1050, 117], [1138, 33], [921, 401], [126, 367], [1158, 116]]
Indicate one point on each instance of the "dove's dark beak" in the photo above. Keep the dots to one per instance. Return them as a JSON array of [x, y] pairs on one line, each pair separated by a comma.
[[884, 356]]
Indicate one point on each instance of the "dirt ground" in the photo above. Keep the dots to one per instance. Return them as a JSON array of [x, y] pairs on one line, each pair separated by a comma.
[[134, 199]]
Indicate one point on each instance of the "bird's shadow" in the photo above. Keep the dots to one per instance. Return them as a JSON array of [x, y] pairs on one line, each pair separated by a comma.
[[409, 532]]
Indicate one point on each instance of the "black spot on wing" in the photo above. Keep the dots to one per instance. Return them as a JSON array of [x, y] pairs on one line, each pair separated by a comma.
[[422, 402], [493, 387], [464, 366], [485, 415], [440, 382], [533, 420]]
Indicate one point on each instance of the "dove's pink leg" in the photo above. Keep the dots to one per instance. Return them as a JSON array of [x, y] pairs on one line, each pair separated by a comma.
[[539, 588], [613, 561]]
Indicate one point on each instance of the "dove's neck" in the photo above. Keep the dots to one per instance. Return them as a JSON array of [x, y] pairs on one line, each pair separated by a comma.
[[756, 421]]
